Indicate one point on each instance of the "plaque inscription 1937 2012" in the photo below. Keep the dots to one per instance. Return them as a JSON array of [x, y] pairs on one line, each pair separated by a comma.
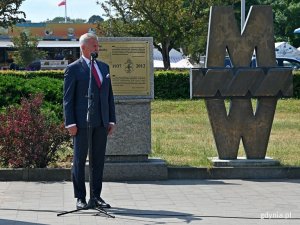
[[129, 63]]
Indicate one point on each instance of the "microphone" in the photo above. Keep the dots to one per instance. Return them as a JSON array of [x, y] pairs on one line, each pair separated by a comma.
[[94, 55]]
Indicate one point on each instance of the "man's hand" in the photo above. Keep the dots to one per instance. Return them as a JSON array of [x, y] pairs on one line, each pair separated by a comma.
[[110, 128], [72, 130]]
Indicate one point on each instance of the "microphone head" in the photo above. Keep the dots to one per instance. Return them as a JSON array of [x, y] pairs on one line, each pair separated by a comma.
[[94, 55]]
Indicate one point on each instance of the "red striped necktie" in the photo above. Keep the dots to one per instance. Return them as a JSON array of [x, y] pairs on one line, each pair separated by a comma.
[[96, 75]]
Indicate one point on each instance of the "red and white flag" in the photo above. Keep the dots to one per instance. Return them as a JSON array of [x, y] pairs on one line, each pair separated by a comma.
[[63, 2]]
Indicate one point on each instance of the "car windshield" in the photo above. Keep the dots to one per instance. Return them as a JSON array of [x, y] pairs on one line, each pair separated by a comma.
[[293, 64]]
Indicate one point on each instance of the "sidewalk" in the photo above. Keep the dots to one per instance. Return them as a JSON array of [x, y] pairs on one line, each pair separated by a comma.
[[232, 202]]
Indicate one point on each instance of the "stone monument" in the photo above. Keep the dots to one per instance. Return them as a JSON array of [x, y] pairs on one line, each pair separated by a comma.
[[132, 75], [241, 83]]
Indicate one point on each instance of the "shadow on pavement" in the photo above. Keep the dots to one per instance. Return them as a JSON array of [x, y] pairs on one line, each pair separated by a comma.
[[187, 217], [152, 214], [183, 182], [29, 210], [15, 222], [140, 215], [294, 181]]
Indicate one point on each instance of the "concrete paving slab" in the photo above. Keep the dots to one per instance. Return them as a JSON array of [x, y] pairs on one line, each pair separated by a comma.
[[168, 202]]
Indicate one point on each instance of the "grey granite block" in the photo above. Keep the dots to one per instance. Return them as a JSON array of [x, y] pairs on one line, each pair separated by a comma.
[[132, 135], [243, 162], [152, 169]]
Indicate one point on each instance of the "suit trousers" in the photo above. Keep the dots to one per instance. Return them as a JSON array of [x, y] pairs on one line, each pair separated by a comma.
[[80, 142]]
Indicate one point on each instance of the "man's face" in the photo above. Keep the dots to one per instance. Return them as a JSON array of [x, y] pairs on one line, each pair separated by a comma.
[[91, 46]]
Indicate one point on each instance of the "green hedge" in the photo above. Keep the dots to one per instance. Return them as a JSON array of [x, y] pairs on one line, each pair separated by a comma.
[[14, 86], [17, 84], [59, 74], [175, 85], [296, 84], [171, 85]]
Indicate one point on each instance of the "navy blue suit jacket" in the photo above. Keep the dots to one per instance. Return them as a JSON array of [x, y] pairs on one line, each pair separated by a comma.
[[75, 101]]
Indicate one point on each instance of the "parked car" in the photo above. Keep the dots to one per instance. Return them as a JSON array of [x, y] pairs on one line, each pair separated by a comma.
[[35, 65], [227, 62], [288, 62], [281, 61]]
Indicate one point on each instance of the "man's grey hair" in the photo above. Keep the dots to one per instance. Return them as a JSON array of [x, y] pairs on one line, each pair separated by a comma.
[[85, 37]]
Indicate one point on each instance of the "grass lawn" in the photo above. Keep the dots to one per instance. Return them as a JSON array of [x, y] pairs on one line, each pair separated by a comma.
[[181, 133]]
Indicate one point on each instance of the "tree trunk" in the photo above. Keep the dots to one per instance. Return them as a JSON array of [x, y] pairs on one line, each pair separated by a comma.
[[165, 55]]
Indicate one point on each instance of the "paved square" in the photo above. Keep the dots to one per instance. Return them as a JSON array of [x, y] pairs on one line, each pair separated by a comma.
[[212, 202]]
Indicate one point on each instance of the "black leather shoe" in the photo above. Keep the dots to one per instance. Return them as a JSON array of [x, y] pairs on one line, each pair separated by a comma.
[[101, 203], [81, 203]]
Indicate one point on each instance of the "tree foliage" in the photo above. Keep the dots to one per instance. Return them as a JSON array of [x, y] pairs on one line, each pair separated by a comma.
[[286, 20], [184, 23], [172, 23], [286, 15], [95, 19], [27, 50], [10, 14], [60, 19], [78, 20]]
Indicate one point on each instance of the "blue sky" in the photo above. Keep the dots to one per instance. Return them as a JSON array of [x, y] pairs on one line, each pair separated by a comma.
[[41, 10]]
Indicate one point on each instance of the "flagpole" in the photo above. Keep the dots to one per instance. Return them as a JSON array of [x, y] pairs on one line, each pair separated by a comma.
[[66, 11], [242, 14]]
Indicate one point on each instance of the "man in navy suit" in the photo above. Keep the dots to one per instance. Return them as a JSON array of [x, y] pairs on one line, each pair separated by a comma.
[[102, 120]]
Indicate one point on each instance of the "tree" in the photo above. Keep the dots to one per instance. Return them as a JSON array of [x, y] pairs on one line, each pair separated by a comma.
[[172, 23], [27, 50], [78, 20], [184, 23], [95, 19], [10, 14], [60, 19], [286, 18]]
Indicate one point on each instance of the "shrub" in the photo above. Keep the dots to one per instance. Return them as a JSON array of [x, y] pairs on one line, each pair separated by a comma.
[[13, 88], [27, 137], [171, 85], [296, 84], [58, 74], [16, 84]]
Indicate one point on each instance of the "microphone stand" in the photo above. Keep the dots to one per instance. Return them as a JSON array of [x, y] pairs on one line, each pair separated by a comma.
[[92, 201]]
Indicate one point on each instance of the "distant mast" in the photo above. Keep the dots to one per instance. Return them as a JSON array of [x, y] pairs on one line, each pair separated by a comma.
[[65, 11], [243, 14], [64, 2]]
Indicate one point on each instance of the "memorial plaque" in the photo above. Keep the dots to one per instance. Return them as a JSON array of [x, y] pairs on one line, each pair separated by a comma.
[[132, 74], [129, 63]]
